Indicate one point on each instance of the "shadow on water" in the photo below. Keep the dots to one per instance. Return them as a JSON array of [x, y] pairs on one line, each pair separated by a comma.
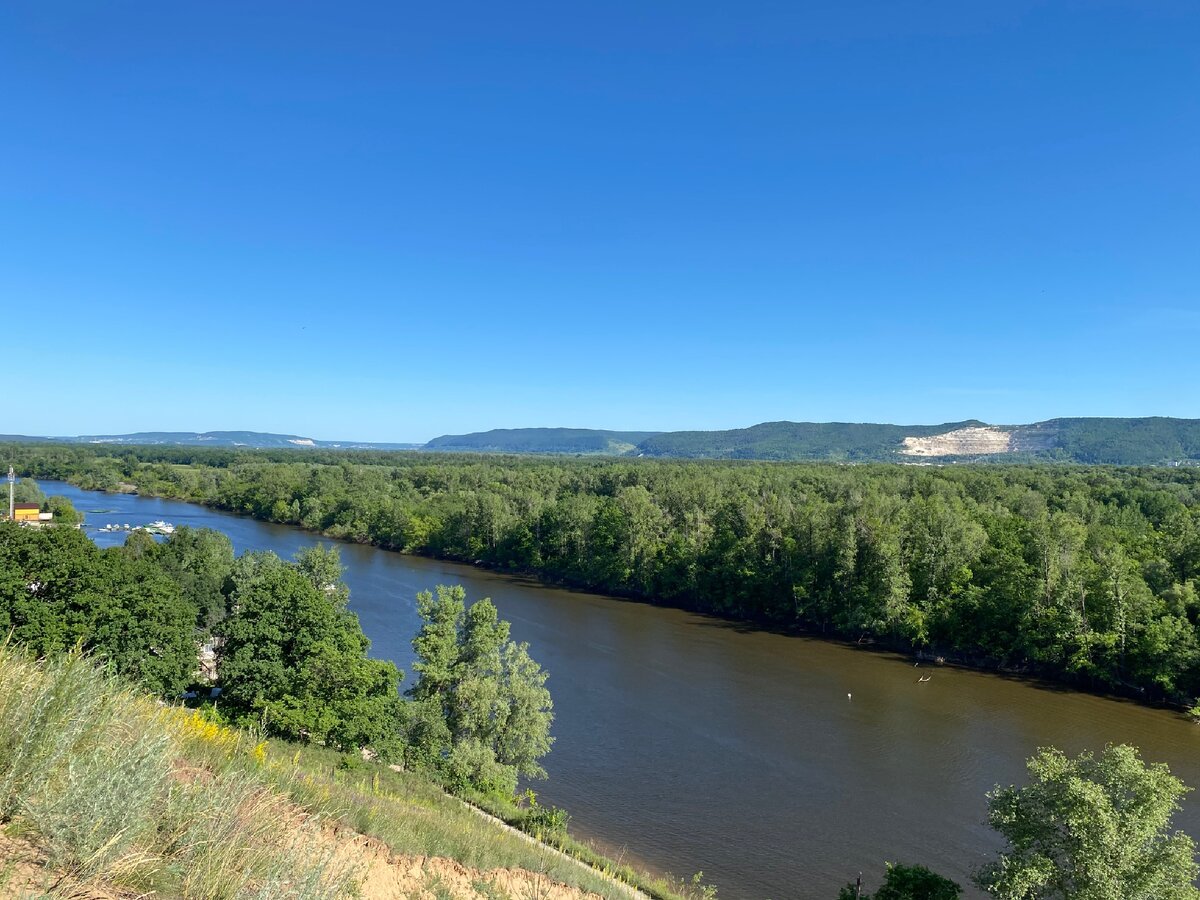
[[1044, 681]]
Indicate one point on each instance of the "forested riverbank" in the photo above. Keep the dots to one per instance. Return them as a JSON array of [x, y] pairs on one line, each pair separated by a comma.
[[289, 662], [1087, 573]]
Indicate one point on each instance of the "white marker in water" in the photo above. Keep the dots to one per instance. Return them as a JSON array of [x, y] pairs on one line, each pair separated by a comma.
[[848, 696]]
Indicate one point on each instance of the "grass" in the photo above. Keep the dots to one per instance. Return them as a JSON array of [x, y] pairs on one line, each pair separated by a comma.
[[113, 788], [91, 773], [412, 814]]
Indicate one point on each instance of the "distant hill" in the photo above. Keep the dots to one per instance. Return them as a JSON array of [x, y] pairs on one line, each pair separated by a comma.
[[792, 440], [1151, 440], [257, 440], [1140, 441], [541, 440]]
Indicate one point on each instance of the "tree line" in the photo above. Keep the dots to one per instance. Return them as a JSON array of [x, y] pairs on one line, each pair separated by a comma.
[[1086, 573], [291, 659]]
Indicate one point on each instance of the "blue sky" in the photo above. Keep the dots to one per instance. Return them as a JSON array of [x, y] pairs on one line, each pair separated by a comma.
[[388, 221]]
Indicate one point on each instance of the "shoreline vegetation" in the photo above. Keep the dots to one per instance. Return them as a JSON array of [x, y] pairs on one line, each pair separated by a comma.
[[101, 781], [1079, 575], [894, 556], [104, 789]]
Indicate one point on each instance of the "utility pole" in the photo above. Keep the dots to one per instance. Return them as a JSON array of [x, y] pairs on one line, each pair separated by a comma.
[[12, 486]]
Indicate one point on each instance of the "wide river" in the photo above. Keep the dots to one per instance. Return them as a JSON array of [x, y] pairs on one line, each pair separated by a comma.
[[780, 766]]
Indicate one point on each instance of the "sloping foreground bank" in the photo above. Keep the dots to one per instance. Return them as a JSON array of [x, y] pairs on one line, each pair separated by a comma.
[[106, 793]]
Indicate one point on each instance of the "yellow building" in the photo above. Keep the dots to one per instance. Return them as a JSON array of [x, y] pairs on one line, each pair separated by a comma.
[[26, 512]]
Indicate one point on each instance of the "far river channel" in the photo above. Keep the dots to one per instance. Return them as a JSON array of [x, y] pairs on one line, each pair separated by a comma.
[[780, 766]]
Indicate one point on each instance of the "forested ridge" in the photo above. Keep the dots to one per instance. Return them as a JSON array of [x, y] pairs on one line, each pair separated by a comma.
[[1149, 440], [1088, 573]]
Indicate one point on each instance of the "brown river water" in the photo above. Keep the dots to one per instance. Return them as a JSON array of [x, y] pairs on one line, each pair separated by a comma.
[[780, 766]]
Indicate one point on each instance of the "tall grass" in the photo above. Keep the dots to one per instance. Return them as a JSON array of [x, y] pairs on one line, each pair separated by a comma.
[[118, 790], [103, 782], [413, 815]]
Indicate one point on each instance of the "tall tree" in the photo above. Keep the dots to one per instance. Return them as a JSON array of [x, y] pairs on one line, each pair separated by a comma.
[[482, 713], [1091, 828], [200, 561], [294, 659], [57, 589]]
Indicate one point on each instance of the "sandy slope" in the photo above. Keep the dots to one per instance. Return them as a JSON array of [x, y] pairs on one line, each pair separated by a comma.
[[383, 876]]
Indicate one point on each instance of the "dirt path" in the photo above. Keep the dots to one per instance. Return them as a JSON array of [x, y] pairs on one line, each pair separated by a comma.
[[629, 890]]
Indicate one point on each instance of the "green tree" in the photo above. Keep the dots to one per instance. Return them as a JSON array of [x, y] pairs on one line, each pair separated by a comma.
[[907, 883], [57, 589], [136, 619], [294, 659], [482, 713], [200, 561], [26, 490], [64, 512], [1091, 828]]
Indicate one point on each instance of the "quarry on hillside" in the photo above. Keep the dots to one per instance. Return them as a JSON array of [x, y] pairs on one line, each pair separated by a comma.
[[981, 440]]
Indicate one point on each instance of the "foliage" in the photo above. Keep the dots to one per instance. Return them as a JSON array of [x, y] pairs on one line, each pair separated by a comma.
[[908, 883], [1086, 573], [200, 561], [58, 590], [294, 659], [88, 770], [1091, 828], [483, 713], [26, 490], [540, 440], [64, 512]]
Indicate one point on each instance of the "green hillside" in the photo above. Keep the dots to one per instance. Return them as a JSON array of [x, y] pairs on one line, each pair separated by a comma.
[[541, 440], [107, 792], [792, 440], [1110, 441], [1152, 440]]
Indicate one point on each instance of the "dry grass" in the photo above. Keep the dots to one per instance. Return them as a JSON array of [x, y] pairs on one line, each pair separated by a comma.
[[90, 776], [114, 795]]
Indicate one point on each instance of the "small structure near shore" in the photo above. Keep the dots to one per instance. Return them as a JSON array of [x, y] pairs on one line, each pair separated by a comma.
[[25, 513]]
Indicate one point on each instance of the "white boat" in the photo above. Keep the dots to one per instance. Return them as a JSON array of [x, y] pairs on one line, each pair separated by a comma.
[[160, 527]]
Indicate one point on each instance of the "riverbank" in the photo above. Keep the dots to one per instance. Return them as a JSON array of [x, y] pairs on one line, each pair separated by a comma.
[[686, 742], [191, 807], [1085, 574], [1031, 672]]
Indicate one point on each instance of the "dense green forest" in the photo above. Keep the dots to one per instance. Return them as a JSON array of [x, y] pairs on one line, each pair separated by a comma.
[[1085, 573], [291, 659]]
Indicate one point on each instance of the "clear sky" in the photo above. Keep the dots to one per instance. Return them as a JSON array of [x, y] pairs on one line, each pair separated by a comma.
[[387, 221]]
